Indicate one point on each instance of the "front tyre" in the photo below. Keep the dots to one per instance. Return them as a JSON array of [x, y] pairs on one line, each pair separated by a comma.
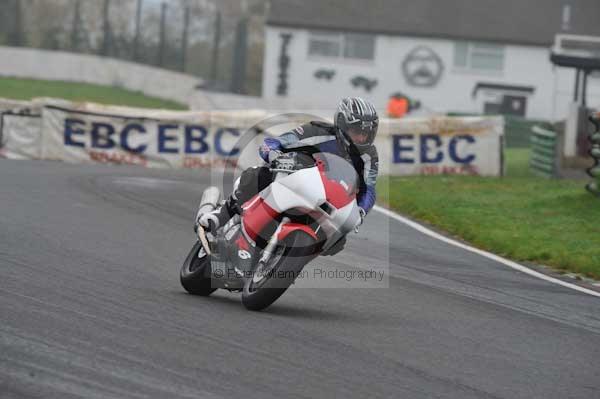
[[270, 281], [195, 273]]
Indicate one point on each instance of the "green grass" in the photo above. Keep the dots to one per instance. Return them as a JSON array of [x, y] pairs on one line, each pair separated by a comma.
[[26, 89], [517, 162], [525, 218]]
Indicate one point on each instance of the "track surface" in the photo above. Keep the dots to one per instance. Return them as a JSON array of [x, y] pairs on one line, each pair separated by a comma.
[[91, 306]]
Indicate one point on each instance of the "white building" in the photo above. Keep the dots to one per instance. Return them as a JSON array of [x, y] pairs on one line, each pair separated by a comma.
[[473, 56]]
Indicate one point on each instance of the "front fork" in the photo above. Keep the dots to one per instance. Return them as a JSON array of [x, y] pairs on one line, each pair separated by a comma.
[[272, 244], [273, 241]]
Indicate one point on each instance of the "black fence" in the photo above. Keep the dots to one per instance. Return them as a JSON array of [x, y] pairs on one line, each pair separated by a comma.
[[189, 36]]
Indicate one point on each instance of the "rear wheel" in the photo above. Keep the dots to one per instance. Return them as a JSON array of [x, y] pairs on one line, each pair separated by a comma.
[[271, 280], [195, 272]]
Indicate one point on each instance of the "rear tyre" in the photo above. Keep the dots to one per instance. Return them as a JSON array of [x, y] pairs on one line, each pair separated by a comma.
[[287, 262], [195, 273]]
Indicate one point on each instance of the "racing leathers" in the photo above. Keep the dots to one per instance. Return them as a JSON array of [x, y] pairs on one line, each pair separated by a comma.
[[324, 137], [316, 134]]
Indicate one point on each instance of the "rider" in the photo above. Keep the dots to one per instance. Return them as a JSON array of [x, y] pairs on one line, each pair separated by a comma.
[[351, 136]]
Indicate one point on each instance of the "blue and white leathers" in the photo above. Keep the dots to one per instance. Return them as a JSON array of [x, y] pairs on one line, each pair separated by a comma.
[[322, 136]]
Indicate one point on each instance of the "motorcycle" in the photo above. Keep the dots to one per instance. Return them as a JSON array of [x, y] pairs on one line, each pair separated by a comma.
[[306, 211]]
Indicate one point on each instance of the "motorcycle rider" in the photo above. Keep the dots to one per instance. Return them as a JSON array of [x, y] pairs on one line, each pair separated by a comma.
[[351, 136]]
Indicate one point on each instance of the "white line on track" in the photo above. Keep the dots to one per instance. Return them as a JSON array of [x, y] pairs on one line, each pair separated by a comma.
[[496, 258]]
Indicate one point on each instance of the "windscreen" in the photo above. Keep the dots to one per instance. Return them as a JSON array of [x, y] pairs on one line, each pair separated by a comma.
[[340, 170]]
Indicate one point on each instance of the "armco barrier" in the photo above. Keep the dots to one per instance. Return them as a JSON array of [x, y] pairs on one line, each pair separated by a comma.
[[91, 133], [594, 171], [545, 152]]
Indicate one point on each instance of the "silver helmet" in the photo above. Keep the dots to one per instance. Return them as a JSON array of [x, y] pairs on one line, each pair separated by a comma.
[[358, 119]]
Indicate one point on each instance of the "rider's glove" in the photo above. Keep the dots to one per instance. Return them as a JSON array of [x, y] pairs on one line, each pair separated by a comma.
[[273, 155], [210, 221], [269, 145]]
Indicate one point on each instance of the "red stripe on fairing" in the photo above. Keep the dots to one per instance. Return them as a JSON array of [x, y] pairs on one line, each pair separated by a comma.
[[242, 243], [250, 202], [291, 227], [335, 193], [256, 216]]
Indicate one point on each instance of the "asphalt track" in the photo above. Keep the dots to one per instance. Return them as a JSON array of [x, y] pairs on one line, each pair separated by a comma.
[[91, 306]]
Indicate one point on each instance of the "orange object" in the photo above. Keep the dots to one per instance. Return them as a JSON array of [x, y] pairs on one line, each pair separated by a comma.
[[397, 107]]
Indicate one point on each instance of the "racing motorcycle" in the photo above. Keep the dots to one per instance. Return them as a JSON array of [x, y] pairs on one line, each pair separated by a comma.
[[306, 211]]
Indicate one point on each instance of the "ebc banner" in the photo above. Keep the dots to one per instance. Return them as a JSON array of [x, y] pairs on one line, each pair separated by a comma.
[[446, 146], [88, 137]]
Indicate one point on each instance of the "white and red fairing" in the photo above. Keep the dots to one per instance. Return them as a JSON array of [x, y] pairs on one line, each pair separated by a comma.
[[329, 201]]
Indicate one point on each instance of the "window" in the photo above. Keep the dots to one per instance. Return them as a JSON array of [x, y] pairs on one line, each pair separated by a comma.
[[359, 46], [461, 54], [325, 45], [479, 56], [338, 45]]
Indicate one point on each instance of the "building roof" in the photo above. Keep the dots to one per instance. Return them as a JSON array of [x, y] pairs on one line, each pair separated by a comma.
[[532, 22]]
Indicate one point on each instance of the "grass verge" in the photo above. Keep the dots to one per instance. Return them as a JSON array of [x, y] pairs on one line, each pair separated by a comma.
[[26, 89], [521, 217]]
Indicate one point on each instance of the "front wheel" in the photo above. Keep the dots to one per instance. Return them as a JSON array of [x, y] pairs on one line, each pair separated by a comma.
[[195, 272], [271, 280]]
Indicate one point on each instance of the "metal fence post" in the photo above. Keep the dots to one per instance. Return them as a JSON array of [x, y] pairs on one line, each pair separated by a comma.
[[17, 35], [238, 81], [184, 38], [214, 64], [163, 35], [76, 27], [107, 34], [138, 30]]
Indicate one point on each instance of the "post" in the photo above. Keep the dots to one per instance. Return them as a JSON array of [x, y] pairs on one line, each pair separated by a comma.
[[106, 42], [75, 30], [138, 30], [16, 37], [215, 50], [577, 81], [238, 78], [584, 88], [163, 33], [184, 39]]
